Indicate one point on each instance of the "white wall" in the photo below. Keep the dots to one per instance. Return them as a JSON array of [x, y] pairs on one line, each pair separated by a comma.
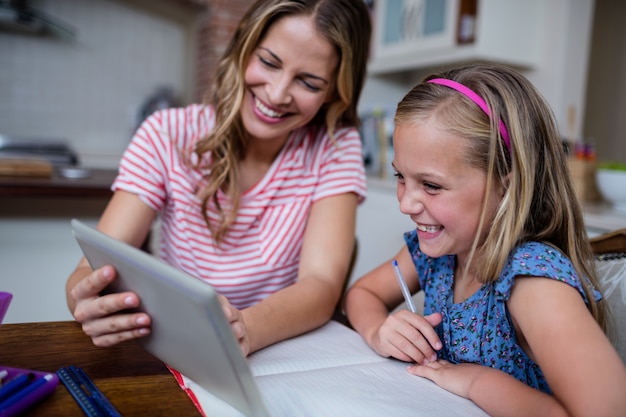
[[380, 227], [37, 256], [562, 75], [89, 90], [606, 93]]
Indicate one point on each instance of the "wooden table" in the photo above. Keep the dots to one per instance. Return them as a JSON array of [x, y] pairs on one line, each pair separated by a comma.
[[137, 383]]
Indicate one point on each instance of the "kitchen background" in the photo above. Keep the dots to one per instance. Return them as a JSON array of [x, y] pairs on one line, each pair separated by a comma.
[[89, 81]]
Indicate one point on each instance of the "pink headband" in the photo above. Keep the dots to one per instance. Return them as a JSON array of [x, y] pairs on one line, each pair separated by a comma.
[[476, 99]]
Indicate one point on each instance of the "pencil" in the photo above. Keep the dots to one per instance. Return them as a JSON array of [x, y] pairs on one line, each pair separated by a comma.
[[405, 290], [25, 391]]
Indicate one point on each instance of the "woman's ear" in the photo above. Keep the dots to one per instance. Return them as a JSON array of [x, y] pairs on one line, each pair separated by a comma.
[[332, 94]]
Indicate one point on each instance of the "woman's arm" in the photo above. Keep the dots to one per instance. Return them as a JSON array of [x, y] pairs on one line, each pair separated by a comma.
[[128, 219], [309, 303], [403, 335]]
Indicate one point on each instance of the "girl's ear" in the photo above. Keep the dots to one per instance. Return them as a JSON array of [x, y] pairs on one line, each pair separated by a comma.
[[506, 181]]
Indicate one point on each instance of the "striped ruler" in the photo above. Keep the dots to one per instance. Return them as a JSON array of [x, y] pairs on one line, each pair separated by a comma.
[[86, 393]]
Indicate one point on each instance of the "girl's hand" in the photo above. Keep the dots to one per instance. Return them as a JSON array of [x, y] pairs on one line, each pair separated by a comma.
[[409, 337], [456, 378], [103, 317], [237, 325]]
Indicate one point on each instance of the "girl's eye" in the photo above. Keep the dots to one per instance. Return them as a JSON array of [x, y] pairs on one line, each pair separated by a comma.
[[398, 176], [431, 187]]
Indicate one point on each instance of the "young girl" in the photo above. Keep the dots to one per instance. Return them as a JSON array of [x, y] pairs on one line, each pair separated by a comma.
[[512, 316], [256, 191]]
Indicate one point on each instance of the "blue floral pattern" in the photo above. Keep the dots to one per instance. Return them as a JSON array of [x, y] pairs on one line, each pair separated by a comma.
[[479, 329]]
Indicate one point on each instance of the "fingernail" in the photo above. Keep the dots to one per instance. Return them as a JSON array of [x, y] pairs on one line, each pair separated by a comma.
[[438, 345], [128, 301], [142, 321], [143, 331]]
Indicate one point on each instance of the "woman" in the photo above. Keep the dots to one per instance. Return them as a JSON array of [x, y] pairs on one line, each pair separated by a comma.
[[257, 191]]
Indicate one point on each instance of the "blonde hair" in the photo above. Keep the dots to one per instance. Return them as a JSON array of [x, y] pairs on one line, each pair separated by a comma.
[[345, 23], [539, 202]]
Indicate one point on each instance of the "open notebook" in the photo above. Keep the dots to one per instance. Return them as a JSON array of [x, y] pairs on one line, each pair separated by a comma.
[[328, 372], [332, 372]]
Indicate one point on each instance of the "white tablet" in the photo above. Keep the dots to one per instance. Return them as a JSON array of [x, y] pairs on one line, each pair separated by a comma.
[[189, 330]]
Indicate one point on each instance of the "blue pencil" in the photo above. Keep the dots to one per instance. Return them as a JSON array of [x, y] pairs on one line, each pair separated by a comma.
[[405, 290], [15, 384], [23, 393]]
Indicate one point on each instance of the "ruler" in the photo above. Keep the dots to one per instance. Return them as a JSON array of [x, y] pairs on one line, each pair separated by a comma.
[[90, 399]]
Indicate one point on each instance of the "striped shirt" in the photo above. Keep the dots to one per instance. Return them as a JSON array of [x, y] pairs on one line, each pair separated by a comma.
[[260, 253]]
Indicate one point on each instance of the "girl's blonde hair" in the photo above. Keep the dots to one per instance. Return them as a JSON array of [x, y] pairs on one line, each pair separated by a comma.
[[344, 23], [539, 202]]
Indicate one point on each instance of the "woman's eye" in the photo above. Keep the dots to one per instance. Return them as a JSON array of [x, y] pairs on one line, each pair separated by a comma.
[[398, 176], [267, 63], [310, 86]]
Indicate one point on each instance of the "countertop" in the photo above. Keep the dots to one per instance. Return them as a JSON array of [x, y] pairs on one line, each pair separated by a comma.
[[96, 184]]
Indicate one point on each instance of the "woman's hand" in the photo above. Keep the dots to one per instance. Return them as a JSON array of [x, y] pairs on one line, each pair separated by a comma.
[[103, 317], [237, 325], [409, 337]]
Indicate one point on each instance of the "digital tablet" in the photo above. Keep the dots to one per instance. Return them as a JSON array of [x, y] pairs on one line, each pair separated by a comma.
[[189, 330]]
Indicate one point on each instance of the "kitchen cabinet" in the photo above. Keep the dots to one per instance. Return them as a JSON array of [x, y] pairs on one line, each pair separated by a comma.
[[415, 34]]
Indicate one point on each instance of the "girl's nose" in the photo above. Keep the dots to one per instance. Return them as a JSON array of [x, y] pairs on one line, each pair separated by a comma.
[[410, 201]]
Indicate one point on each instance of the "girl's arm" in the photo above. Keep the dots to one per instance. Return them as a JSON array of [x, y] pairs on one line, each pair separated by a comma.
[[581, 366], [554, 326], [310, 302], [403, 335]]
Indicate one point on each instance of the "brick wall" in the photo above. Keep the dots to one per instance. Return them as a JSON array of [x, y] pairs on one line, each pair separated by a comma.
[[216, 23]]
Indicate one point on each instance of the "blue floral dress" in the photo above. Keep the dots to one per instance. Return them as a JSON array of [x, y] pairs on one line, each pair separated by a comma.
[[479, 329]]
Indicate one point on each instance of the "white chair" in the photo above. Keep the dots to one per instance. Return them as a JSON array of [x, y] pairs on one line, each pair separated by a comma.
[[610, 249]]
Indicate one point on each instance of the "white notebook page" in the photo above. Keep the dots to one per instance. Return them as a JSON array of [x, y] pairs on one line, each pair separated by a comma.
[[332, 372]]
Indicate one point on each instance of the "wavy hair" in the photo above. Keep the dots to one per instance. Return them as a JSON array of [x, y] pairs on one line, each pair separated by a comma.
[[539, 201], [344, 23]]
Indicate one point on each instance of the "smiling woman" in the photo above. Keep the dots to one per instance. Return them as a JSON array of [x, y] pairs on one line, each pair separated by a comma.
[[257, 189], [289, 77]]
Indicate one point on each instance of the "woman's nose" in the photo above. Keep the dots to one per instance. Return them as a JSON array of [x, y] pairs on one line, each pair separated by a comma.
[[279, 91]]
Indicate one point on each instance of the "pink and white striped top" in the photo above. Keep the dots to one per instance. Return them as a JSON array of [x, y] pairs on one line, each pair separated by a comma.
[[260, 253]]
